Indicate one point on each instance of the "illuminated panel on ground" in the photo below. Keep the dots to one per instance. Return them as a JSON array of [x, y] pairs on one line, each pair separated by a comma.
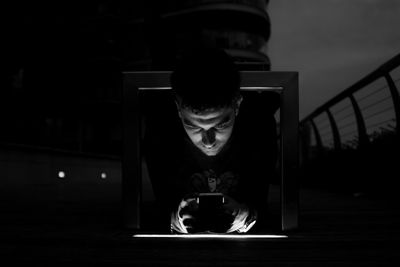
[[248, 88], [205, 236]]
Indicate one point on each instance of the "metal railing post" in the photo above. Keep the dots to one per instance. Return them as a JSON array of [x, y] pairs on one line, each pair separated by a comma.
[[317, 136], [396, 101], [362, 130], [335, 131]]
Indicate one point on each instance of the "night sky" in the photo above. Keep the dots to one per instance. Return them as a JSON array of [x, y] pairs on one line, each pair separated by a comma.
[[332, 43]]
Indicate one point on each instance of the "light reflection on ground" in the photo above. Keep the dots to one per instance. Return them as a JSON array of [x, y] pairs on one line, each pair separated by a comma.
[[203, 236]]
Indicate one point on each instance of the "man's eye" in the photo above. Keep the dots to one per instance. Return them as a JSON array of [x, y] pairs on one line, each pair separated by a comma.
[[223, 125], [191, 127]]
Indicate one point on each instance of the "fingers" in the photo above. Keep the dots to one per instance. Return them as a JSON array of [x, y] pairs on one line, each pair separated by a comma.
[[187, 217], [184, 220], [188, 222], [231, 206], [189, 205], [186, 202], [187, 208]]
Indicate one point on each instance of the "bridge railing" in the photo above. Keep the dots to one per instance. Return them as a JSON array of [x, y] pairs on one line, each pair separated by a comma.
[[356, 117], [352, 142]]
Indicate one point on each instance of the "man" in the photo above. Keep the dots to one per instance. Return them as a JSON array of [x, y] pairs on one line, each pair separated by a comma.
[[214, 151]]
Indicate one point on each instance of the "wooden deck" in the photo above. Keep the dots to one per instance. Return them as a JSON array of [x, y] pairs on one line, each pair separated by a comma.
[[336, 230]]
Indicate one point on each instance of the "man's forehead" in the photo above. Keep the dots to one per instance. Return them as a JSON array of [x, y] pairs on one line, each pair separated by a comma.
[[208, 115]]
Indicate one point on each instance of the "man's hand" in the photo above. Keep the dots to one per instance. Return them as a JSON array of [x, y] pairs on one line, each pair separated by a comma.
[[241, 222], [184, 219], [232, 207]]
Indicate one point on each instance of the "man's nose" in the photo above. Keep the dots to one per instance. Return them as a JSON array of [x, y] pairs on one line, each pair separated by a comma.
[[208, 138]]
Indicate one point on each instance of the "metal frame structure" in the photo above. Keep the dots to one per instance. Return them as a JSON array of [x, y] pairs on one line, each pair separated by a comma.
[[286, 83]]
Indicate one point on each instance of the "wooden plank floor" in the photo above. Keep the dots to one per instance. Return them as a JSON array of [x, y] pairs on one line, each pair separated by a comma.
[[336, 230]]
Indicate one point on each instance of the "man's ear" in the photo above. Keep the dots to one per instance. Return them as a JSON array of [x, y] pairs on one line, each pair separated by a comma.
[[238, 101], [178, 107]]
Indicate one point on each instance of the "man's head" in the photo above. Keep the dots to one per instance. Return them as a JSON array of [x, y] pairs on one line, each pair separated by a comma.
[[206, 87]]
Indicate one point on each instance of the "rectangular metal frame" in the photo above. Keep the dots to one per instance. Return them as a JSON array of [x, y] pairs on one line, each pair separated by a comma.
[[284, 82]]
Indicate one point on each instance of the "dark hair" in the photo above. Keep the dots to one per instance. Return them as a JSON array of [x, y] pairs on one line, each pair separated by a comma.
[[206, 79]]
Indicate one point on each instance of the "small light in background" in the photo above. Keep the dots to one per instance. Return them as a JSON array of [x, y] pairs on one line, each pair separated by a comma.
[[103, 175], [61, 174]]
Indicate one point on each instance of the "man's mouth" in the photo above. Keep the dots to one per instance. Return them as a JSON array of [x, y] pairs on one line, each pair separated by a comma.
[[212, 150]]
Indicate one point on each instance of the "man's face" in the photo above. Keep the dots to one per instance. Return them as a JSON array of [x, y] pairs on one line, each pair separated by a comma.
[[210, 130]]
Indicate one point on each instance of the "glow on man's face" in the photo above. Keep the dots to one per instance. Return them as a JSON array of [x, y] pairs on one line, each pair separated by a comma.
[[210, 130]]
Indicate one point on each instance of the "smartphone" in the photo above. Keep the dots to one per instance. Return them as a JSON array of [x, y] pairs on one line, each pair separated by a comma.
[[209, 210], [210, 201]]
